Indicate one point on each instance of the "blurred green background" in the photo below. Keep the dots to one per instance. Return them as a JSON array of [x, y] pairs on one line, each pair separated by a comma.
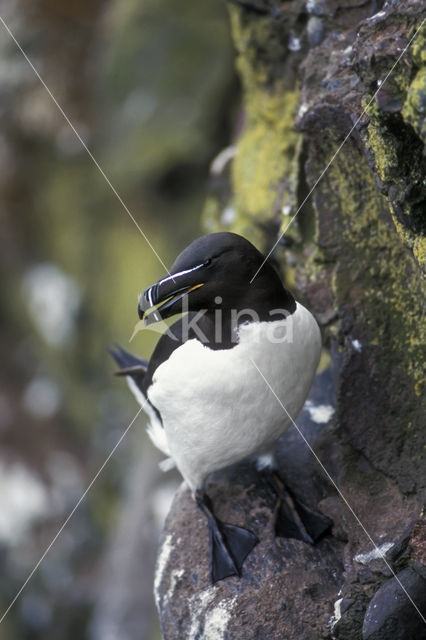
[[151, 90]]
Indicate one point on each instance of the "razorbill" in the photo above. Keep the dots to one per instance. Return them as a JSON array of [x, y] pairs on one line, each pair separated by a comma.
[[208, 405]]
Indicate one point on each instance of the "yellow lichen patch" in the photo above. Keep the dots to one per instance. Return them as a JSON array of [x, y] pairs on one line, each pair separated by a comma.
[[325, 361], [414, 109], [347, 183], [383, 147], [379, 142], [265, 168], [417, 243], [266, 163], [419, 47], [376, 270]]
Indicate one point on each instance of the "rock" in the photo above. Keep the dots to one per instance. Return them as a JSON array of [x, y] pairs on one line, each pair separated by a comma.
[[280, 579], [391, 615], [315, 31], [418, 542], [298, 467]]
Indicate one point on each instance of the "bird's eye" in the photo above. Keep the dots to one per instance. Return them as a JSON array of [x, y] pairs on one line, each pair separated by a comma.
[[207, 262]]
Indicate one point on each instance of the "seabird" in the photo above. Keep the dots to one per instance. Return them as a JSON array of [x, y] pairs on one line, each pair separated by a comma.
[[208, 405]]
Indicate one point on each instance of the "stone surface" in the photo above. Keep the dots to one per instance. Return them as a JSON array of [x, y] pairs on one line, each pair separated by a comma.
[[418, 541], [391, 616], [280, 578], [297, 465]]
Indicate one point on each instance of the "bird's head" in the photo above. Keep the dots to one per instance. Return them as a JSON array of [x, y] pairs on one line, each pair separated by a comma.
[[215, 269]]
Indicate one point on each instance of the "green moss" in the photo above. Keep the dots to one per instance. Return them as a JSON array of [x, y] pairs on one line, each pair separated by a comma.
[[417, 243], [376, 274], [394, 165], [380, 143], [262, 52], [265, 169], [414, 109], [396, 152], [419, 47], [211, 214]]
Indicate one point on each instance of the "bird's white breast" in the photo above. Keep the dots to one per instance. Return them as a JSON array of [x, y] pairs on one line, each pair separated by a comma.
[[216, 407]]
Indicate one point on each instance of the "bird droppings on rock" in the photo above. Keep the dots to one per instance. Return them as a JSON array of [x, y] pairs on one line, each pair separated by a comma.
[[377, 16], [198, 605], [162, 561], [175, 577], [209, 622], [357, 345], [340, 607], [374, 554], [321, 414], [303, 107], [294, 43], [337, 610], [217, 621]]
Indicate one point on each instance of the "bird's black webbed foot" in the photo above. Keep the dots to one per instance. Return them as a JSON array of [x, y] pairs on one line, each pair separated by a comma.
[[293, 518], [316, 523], [229, 544]]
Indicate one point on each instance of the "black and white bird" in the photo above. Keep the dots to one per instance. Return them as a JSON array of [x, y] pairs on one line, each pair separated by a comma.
[[208, 404]]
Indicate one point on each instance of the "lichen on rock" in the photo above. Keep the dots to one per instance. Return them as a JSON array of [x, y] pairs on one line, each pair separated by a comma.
[[265, 170]]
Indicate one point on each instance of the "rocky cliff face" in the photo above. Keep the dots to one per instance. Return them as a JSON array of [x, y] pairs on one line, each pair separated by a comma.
[[334, 136]]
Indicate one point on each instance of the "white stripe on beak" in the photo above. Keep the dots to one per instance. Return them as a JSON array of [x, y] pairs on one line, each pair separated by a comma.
[[150, 296], [177, 275]]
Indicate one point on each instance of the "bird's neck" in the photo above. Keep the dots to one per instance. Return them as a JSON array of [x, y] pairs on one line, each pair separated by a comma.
[[220, 325]]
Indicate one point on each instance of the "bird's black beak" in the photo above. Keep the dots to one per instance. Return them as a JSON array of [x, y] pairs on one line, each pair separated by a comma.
[[164, 296]]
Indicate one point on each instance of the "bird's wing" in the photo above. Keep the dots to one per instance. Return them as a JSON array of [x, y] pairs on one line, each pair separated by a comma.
[[130, 365], [125, 359], [135, 369]]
